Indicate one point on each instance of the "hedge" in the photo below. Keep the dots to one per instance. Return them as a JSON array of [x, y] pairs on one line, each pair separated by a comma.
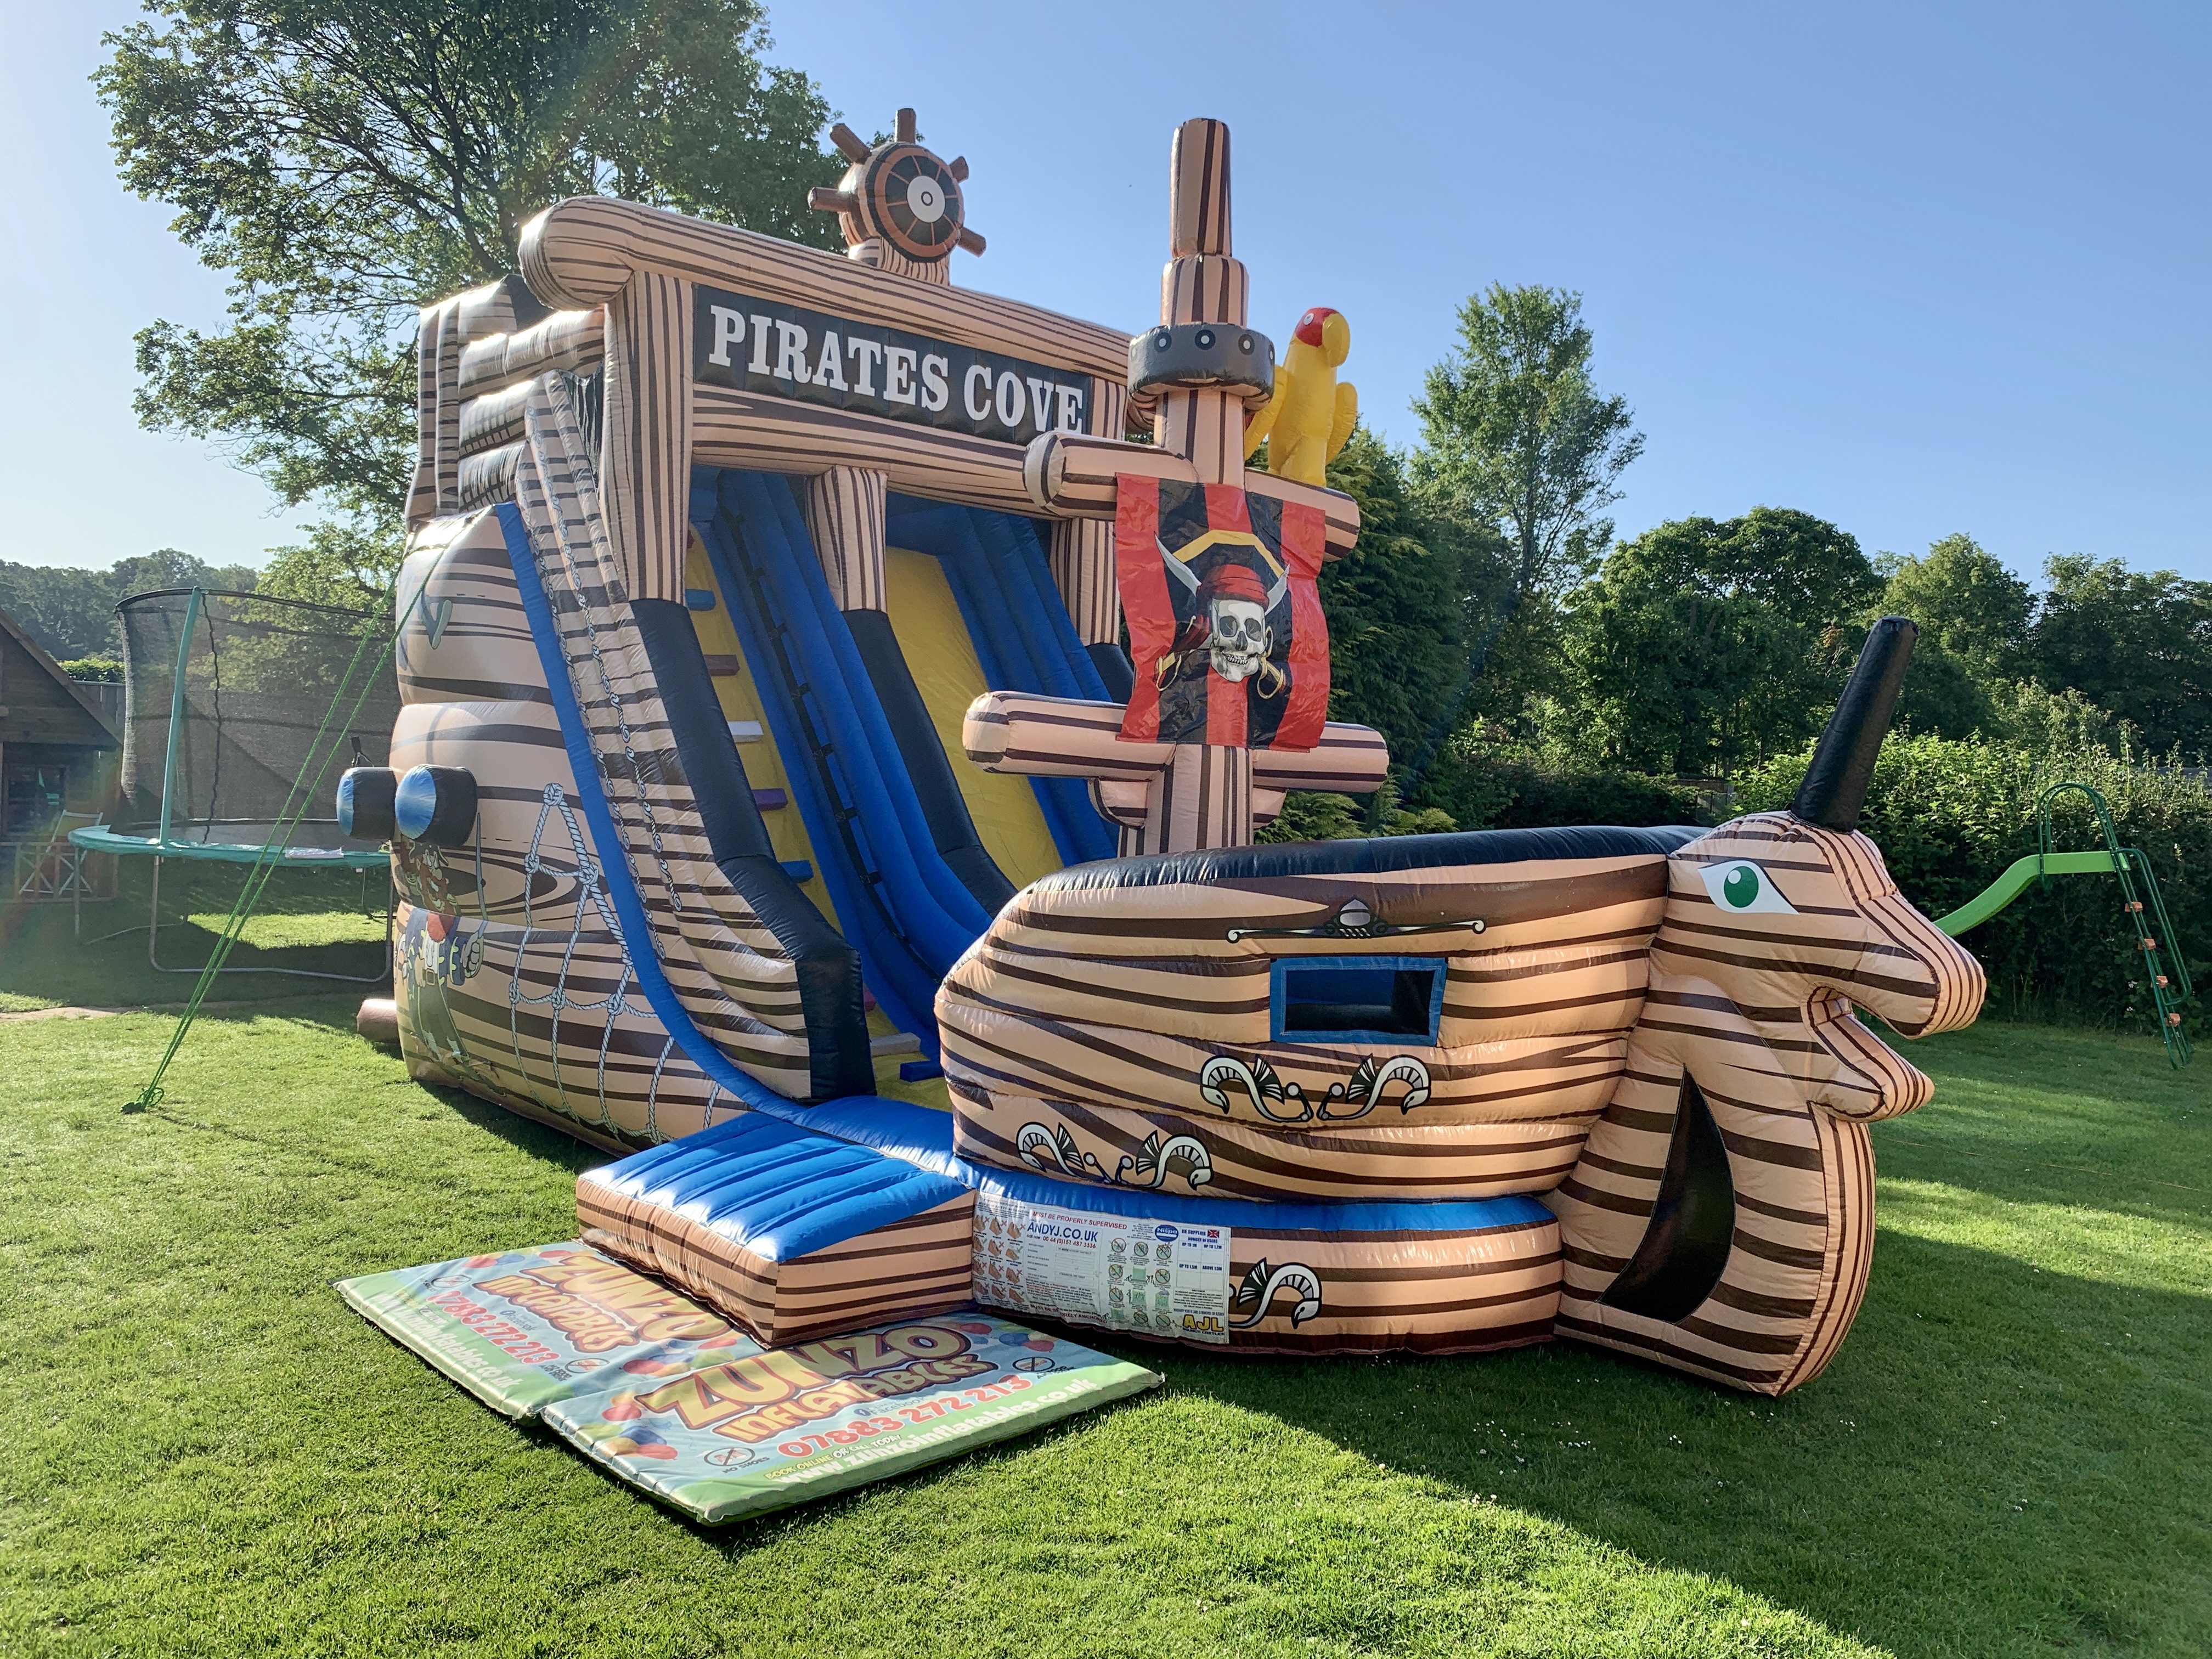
[[1949, 816]]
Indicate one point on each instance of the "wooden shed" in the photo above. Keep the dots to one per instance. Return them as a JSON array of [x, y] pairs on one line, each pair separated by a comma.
[[58, 751]]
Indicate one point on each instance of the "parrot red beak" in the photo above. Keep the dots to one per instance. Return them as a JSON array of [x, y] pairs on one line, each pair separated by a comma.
[[1309, 326]]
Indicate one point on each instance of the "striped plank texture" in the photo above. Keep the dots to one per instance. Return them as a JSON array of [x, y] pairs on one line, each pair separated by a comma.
[[1444, 1292], [1082, 550], [1756, 1009], [437, 486], [566, 1032], [643, 471], [845, 517], [571, 340], [916, 1266], [583, 251], [1076, 1032], [1151, 790], [1082, 561]]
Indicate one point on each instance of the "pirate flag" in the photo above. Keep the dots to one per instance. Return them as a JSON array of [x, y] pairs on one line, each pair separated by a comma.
[[1225, 626]]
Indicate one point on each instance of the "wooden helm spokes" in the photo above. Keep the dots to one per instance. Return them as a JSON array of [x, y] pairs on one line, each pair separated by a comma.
[[901, 206]]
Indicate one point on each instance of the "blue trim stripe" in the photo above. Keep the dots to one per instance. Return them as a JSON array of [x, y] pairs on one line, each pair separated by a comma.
[[776, 1190], [924, 1137], [591, 792]]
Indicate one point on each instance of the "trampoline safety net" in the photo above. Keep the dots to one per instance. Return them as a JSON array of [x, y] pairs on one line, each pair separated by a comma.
[[223, 695]]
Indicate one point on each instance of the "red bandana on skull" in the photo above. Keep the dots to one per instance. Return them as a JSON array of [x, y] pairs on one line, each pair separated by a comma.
[[1225, 625]]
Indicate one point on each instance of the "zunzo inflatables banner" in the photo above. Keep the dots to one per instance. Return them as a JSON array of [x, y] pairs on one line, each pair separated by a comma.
[[677, 1402], [1225, 625]]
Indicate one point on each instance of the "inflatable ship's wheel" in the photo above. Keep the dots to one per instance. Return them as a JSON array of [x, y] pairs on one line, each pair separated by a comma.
[[912, 199]]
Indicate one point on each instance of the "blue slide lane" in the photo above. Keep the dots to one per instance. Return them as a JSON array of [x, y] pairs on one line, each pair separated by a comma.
[[1023, 641], [606, 842], [906, 910], [939, 911], [828, 802]]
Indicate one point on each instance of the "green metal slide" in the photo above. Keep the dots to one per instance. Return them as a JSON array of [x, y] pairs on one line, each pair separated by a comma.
[[2163, 960]]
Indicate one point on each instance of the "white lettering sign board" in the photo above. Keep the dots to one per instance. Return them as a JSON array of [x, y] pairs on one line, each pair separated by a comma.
[[769, 349]]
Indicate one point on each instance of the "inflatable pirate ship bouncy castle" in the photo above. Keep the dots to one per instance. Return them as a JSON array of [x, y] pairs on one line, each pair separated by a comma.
[[773, 803]]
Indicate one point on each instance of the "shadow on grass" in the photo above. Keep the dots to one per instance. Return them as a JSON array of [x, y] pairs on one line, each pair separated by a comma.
[[2001, 1458], [2004, 1455], [2033, 1444], [526, 1135], [534, 1140], [96, 956]]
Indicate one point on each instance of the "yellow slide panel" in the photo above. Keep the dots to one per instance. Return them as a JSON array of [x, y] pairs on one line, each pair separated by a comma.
[[926, 618], [786, 829], [741, 705]]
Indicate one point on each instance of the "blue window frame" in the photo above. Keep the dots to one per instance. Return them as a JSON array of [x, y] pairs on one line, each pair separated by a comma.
[[1356, 999]]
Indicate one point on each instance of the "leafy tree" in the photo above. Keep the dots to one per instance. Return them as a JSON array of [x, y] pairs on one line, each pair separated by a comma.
[[2137, 643], [338, 564], [1974, 616], [2056, 722], [1943, 694], [1393, 636], [65, 610], [1486, 780], [1965, 601], [1516, 436], [70, 611], [346, 161], [1703, 644], [166, 567], [1392, 603]]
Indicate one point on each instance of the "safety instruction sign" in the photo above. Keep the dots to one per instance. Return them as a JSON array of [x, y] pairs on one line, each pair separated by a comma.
[[1125, 1272]]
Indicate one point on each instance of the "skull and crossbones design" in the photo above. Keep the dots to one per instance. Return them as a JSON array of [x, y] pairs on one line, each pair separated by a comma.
[[1228, 630], [1237, 609]]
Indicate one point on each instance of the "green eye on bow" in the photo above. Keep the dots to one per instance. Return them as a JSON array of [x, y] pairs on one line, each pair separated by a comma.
[[1741, 887]]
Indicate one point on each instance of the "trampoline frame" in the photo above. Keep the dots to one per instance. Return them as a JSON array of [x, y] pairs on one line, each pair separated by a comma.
[[98, 838]]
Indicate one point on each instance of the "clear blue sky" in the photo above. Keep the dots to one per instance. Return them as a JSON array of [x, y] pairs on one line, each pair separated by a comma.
[[1915, 269]]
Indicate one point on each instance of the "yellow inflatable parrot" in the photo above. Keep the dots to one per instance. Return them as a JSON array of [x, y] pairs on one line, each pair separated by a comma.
[[1312, 412]]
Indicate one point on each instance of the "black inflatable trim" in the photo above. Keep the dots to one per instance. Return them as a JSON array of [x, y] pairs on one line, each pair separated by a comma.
[[1381, 856], [1835, 786], [943, 807], [1114, 667], [365, 796], [1685, 1249], [1202, 354], [453, 791], [828, 968]]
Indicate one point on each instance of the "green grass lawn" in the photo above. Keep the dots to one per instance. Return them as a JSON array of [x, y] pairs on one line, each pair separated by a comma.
[[49, 956], [211, 1455]]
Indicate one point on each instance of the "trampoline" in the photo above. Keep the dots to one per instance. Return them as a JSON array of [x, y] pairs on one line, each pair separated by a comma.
[[224, 697]]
